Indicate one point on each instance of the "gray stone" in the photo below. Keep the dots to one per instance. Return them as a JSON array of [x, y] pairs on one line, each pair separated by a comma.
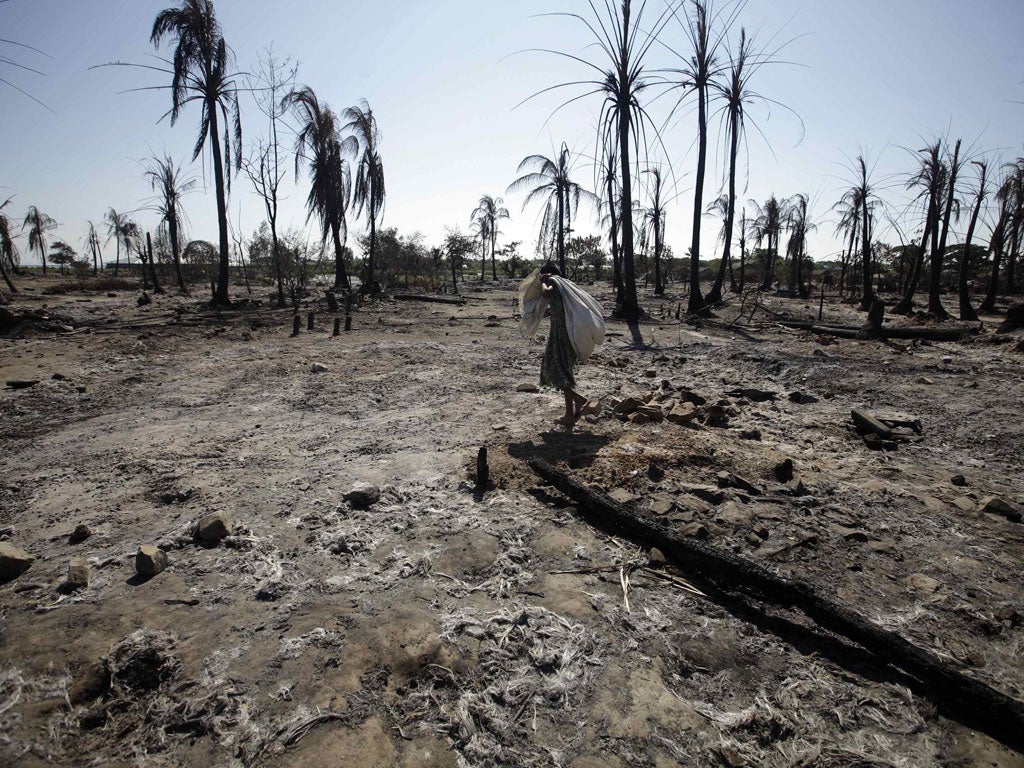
[[656, 557], [802, 398], [14, 561], [213, 528], [627, 406], [320, 368], [694, 530], [362, 496], [527, 386], [79, 573], [149, 561]]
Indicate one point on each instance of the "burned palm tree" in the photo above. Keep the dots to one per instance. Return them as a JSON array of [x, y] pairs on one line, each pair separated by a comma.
[[621, 78], [798, 222], [931, 178], [200, 73], [654, 221], [8, 250], [609, 206], [861, 197], [319, 144], [767, 227], [115, 222], [966, 310], [705, 31], [550, 182], [935, 307], [167, 181], [38, 224], [92, 242], [369, 194], [847, 227], [491, 209]]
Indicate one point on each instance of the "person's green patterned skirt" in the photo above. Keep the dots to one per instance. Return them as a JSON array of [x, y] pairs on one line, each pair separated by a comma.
[[556, 369]]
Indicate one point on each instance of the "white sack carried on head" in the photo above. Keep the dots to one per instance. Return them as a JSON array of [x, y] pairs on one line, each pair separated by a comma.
[[532, 304], [584, 318]]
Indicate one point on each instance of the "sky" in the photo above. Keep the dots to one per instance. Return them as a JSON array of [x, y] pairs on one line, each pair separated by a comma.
[[446, 81]]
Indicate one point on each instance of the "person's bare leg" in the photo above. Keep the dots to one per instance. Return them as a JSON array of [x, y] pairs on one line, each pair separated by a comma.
[[567, 419]]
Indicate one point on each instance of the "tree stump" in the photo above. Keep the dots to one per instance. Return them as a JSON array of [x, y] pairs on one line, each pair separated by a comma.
[[332, 301], [309, 321], [296, 325], [337, 327]]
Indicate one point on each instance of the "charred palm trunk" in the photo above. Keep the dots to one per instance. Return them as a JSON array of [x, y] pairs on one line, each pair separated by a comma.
[[659, 287], [616, 255], [1011, 259], [6, 277], [630, 305], [220, 295], [996, 247], [371, 285], [715, 295], [935, 307], [966, 310], [868, 296], [152, 265], [561, 230], [906, 303], [340, 274], [172, 230], [696, 302]]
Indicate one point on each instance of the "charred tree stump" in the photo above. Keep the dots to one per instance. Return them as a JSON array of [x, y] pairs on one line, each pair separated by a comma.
[[1000, 715], [309, 321], [821, 303], [296, 326], [348, 323], [483, 472], [332, 301], [337, 327], [872, 329]]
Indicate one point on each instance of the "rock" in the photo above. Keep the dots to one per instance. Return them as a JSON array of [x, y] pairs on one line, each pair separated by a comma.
[[716, 416], [362, 496], [647, 414], [655, 473], [622, 496], [694, 530], [144, 299], [651, 373], [58, 377], [783, 471], [213, 528], [851, 534], [80, 534], [688, 396], [79, 573], [958, 480], [802, 398], [320, 368], [732, 514], [919, 582], [762, 531], [627, 406], [751, 434], [662, 505], [820, 353], [21, 383], [149, 561], [965, 504], [729, 480], [875, 443], [527, 386], [656, 558], [997, 506], [14, 561], [682, 413], [947, 360], [925, 380]]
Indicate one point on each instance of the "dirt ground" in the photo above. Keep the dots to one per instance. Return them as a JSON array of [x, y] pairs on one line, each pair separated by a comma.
[[438, 629]]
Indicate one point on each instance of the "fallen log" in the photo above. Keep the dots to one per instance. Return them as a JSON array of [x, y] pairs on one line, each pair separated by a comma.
[[869, 423], [1000, 715], [430, 299], [851, 332]]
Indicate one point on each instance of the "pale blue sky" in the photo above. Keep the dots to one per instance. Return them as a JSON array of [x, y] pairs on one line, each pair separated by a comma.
[[874, 76]]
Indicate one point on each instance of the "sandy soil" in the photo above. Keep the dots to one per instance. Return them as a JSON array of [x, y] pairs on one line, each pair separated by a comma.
[[435, 629]]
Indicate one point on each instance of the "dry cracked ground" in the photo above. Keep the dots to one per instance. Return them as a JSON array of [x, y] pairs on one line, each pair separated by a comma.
[[436, 628]]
